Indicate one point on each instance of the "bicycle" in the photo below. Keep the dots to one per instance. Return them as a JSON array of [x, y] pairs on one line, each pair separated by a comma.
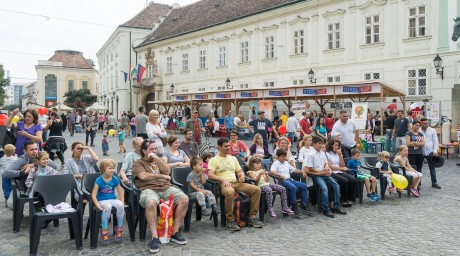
[[441, 121], [206, 146]]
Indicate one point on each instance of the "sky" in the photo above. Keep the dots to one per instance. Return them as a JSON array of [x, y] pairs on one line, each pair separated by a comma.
[[31, 30]]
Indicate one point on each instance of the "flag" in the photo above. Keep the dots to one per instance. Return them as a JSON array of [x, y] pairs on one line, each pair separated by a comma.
[[140, 72], [125, 74], [132, 72]]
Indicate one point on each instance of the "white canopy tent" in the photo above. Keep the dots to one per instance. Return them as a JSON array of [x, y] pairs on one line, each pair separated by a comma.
[[96, 107]]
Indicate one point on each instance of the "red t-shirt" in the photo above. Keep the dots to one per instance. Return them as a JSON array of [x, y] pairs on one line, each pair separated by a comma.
[[329, 123], [238, 148], [197, 130], [393, 106], [305, 125]]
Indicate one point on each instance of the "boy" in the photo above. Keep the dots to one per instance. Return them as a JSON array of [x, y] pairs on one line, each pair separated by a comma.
[[121, 139], [5, 161], [196, 180], [354, 165], [318, 166], [282, 169]]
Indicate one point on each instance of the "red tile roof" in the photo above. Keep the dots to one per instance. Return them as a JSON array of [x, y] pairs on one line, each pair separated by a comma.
[[148, 16], [71, 59]]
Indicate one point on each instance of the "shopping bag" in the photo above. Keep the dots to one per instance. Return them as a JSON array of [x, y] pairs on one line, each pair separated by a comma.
[[165, 220]]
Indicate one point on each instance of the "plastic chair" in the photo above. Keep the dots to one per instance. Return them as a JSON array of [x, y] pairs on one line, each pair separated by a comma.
[[365, 146], [382, 145], [54, 190], [397, 170], [360, 187], [19, 200]]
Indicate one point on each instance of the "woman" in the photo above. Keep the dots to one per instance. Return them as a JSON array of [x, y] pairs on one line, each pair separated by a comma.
[[370, 124], [321, 130], [29, 129], [176, 157], [415, 143], [80, 163], [155, 129], [260, 150], [55, 143], [237, 147], [283, 143], [101, 120], [348, 184]]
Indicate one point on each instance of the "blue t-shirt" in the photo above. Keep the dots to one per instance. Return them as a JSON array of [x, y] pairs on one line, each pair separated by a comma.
[[121, 135], [229, 122], [106, 189], [353, 166]]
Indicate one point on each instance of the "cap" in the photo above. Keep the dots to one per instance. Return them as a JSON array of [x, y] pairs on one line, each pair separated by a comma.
[[261, 112]]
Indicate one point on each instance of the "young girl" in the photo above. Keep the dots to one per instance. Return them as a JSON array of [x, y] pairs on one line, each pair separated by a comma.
[[305, 148], [206, 157], [121, 140], [383, 165], [41, 168], [104, 199], [257, 173], [105, 145], [402, 161]]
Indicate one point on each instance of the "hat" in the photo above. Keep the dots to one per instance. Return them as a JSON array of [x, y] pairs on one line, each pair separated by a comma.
[[261, 112], [436, 161]]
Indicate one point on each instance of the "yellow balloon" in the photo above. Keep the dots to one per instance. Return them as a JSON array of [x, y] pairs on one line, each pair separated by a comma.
[[15, 119], [111, 131], [399, 181]]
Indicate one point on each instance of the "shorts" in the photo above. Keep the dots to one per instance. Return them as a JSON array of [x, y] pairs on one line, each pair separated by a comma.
[[363, 176], [413, 174], [120, 142], [148, 194]]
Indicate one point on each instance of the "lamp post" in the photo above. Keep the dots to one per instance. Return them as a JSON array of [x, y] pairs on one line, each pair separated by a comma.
[[438, 65], [117, 103], [227, 84], [172, 88], [311, 76]]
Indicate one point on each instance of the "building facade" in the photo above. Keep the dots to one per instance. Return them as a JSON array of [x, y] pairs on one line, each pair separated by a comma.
[[275, 43]]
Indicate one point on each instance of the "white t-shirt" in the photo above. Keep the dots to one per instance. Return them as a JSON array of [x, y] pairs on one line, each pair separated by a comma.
[[304, 152], [292, 124], [347, 131], [236, 121], [284, 168], [335, 160], [317, 159]]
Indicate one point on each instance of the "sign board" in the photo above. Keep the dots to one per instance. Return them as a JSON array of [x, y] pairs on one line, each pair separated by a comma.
[[336, 106], [359, 114], [433, 111], [253, 113], [246, 95], [266, 105], [278, 93], [201, 96], [347, 105], [182, 98], [222, 95], [357, 89], [298, 107], [315, 91]]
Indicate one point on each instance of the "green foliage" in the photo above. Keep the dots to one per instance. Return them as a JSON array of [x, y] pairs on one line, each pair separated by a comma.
[[79, 99], [4, 82], [11, 107]]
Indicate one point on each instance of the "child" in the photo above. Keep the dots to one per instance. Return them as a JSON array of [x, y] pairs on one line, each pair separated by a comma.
[[369, 136], [5, 161], [196, 180], [282, 169], [104, 199], [260, 175], [105, 145], [206, 157], [354, 165], [41, 169], [121, 139], [305, 148], [384, 168], [402, 161]]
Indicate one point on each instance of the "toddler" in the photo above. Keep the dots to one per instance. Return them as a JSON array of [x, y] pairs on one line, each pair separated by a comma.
[[40, 169], [383, 165], [105, 145], [121, 140], [5, 161], [354, 165], [206, 157]]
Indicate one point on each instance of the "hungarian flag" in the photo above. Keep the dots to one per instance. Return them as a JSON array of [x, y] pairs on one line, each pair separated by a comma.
[[140, 72], [132, 72]]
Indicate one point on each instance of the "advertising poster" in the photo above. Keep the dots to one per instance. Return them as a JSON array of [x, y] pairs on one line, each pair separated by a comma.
[[298, 107], [432, 111], [359, 114], [267, 106], [253, 110]]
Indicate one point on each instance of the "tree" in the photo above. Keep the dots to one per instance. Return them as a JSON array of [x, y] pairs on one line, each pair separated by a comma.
[[11, 107], [4, 82], [79, 99]]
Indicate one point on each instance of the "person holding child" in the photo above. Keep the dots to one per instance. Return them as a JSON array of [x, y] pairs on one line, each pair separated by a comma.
[[103, 196], [196, 181], [401, 160], [260, 175], [40, 169], [383, 165], [369, 181], [5, 162]]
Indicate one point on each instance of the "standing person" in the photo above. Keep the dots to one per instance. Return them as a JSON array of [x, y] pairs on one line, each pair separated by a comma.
[[400, 129], [377, 119], [261, 126], [431, 147], [189, 146], [237, 122], [305, 124], [329, 122], [43, 121], [228, 123], [101, 121], [110, 122], [125, 124], [393, 106], [105, 145], [188, 112], [196, 126], [348, 131], [90, 127], [55, 143], [64, 122], [121, 140], [29, 129], [5, 162], [415, 141], [291, 126], [275, 114], [78, 120], [164, 119], [389, 141], [284, 119], [141, 122], [72, 120], [133, 126], [155, 129]]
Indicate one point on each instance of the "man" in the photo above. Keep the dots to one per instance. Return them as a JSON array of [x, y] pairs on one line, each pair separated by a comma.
[[222, 168], [141, 121], [431, 147], [196, 126], [90, 127], [188, 145], [110, 122], [400, 129], [275, 114], [72, 122], [261, 126], [348, 131], [390, 124], [228, 123], [127, 166], [64, 122], [291, 126], [151, 177], [393, 106], [305, 125], [187, 111]]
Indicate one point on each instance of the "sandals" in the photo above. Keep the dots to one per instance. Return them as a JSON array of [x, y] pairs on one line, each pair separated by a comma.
[[105, 237], [118, 231]]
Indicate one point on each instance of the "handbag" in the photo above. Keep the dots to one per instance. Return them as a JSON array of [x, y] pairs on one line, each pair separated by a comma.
[[10, 137]]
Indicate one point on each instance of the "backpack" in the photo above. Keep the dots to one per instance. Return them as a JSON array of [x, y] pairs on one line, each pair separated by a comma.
[[241, 209]]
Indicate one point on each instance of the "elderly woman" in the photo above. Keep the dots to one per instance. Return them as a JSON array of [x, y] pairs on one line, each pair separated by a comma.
[[80, 163], [283, 143], [55, 143], [176, 157], [348, 183], [29, 129], [155, 130]]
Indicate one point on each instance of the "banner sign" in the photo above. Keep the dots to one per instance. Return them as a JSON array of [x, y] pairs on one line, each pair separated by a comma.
[[357, 89], [253, 110], [266, 105], [279, 93], [249, 94], [359, 114], [433, 111], [361, 89], [201, 96], [223, 95], [182, 98]]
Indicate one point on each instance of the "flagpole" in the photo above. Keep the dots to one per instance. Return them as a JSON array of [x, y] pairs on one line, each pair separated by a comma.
[[130, 80]]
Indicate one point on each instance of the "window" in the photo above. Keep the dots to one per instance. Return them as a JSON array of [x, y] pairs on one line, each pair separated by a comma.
[[222, 56], [221, 88], [299, 42], [333, 36], [149, 71], [168, 95], [185, 62], [202, 59], [70, 85], [371, 76], [372, 29], [201, 89], [244, 86], [169, 65], [84, 85], [417, 21], [333, 79], [416, 83], [298, 82], [269, 84], [244, 52], [184, 90], [269, 47]]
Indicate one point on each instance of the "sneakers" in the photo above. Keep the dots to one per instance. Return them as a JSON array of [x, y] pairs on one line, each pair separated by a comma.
[[216, 209], [305, 209], [435, 185], [178, 238], [371, 197], [415, 192], [254, 222], [206, 211], [328, 214], [339, 211], [105, 237], [376, 195], [154, 246], [296, 211], [392, 190], [271, 213], [118, 233], [287, 210], [232, 226]]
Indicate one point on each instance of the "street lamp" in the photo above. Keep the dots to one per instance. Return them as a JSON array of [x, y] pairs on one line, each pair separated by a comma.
[[172, 88], [227, 83], [311, 76], [438, 65]]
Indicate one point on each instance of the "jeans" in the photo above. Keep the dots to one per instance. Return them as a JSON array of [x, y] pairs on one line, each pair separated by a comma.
[[321, 182], [107, 211], [7, 187], [389, 143], [399, 141], [293, 185], [292, 136], [90, 133], [432, 172]]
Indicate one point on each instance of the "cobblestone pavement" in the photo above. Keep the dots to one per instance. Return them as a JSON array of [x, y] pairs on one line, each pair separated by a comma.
[[425, 226]]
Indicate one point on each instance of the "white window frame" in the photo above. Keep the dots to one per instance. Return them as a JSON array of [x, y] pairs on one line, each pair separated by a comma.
[[169, 65], [244, 52], [298, 81], [185, 62], [269, 47], [417, 80], [415, 31], [222, 56], [299, 41], [244, 86], [372, 32], [168, 95], [334, 35], [202, 59], [149, 71]]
